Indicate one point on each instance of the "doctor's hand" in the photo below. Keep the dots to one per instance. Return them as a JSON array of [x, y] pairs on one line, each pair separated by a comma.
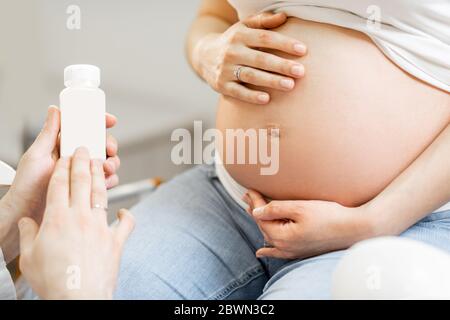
[[301, 229], [74, 254], [26, 196]]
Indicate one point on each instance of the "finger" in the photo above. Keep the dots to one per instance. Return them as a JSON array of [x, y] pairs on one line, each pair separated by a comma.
[[271, 229], [270, 62], [56, 150], [257, 199], [266, 227], [273, 253], [248, 201], [99, 196], [246, 198], [266, 236], [80, 179], [266, 79], [266, 20], [238, 91], [111, 166], [255, 21], [273, 21], [277, 210], [112, 181], [111, 120], [111, 146], [48, 138], [58, 192], [250, 207], [123, 227], [274, 40], [28, 230]]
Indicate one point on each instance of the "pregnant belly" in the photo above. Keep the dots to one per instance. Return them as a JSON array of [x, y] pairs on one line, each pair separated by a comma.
[[352, 125]]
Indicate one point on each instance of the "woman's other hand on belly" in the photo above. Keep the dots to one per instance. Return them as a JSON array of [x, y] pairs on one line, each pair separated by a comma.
[[301, 229], [232, 61]]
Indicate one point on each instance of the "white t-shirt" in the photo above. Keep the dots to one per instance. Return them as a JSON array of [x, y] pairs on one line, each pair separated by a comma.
[[414, 34]]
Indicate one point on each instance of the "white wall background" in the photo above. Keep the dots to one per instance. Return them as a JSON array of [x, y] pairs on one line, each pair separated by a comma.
[[139, 46]]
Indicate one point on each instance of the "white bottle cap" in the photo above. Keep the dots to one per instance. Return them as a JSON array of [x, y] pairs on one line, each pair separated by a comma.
[[82, 74]]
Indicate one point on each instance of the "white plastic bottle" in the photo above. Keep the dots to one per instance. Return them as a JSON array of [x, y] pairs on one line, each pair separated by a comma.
[[83, 109]]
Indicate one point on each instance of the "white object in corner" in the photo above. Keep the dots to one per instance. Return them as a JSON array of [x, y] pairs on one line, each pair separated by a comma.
[[392, 268], [7, 174]]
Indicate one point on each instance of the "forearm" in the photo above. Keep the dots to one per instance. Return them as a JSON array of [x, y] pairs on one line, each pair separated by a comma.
[[203, 27], [422, 188], [9, 233]]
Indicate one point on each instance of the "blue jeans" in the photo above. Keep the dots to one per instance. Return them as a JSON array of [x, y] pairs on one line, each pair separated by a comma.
[[192, 241]]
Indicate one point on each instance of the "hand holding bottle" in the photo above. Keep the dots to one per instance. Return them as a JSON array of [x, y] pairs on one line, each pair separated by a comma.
[[26, 197], [74, 254]]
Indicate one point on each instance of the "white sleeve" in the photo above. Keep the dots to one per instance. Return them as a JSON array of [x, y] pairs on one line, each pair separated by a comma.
[[7, 289]]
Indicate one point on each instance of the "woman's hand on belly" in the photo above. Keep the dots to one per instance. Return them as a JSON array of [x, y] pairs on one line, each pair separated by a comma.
[[301, 229], [231, 61]]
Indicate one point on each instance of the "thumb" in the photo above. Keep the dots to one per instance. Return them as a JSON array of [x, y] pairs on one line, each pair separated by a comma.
[[256, 199], [272, 253], [277, 210], [48, 138], [123, 227], [28, 230], [266, 20]]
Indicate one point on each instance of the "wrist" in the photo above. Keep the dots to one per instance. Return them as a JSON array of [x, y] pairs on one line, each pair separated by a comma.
[[373, 219], [10, 207], [9, 233], [200, 51], [363, 225], [8, 213]]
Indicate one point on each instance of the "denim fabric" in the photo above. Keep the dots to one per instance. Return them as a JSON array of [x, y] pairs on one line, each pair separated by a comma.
[[193, 241]]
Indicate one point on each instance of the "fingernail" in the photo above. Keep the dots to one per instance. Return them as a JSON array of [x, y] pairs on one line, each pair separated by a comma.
[[82, 151], [264, 98], [258, 211], [287, 83], [47, 118], [299, 48], [98, 164], [111, 115], [298, 70], [49, 109], [21, 223]]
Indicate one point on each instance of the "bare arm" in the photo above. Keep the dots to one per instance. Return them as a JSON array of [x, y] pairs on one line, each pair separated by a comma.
[[9, 238], [214, 17], [423, 187]]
